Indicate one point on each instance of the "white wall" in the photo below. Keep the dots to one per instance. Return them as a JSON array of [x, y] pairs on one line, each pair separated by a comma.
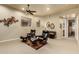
[[57, 20], [15, 30]]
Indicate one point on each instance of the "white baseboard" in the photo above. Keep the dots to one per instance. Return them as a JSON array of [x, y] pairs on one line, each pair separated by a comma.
[[8, 40], [60, 38], [63, 38]]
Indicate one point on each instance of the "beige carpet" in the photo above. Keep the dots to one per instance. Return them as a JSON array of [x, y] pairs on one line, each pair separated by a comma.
[[53, 46]]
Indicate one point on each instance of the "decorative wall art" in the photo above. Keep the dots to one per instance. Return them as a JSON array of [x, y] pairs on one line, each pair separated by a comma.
[[38, 23], [60, 26], [25, 21], [50, 25], [9, 21]]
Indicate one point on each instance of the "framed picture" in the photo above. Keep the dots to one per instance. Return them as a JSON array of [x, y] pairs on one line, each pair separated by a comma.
[[38, 23], [25, 21]]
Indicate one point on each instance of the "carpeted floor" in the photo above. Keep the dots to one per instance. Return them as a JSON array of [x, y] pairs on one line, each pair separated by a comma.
[[54, 46]]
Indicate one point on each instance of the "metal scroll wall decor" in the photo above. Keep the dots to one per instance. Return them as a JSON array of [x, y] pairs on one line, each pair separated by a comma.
[[50, 25], [9, 21]]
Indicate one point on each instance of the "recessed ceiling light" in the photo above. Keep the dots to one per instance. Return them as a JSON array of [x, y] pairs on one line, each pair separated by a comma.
[[48, 9], [73, 15], [34, 13], [23, 9]]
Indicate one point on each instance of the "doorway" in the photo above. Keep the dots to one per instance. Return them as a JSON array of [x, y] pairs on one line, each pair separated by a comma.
[[70, 27]]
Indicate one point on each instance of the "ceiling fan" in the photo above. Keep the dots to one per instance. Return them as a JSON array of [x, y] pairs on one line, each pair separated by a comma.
[[30, 11]]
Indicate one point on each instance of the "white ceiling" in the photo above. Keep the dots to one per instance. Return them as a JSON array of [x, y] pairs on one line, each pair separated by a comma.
[[44, 9]]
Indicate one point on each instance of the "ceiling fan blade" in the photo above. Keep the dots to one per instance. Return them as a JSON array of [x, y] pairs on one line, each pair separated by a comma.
[[31, 13]]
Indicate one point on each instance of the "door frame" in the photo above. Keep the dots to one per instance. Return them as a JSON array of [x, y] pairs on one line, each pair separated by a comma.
[[66, 28]]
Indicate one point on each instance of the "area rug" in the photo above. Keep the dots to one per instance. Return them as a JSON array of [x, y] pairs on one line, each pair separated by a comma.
[[36, 47]]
